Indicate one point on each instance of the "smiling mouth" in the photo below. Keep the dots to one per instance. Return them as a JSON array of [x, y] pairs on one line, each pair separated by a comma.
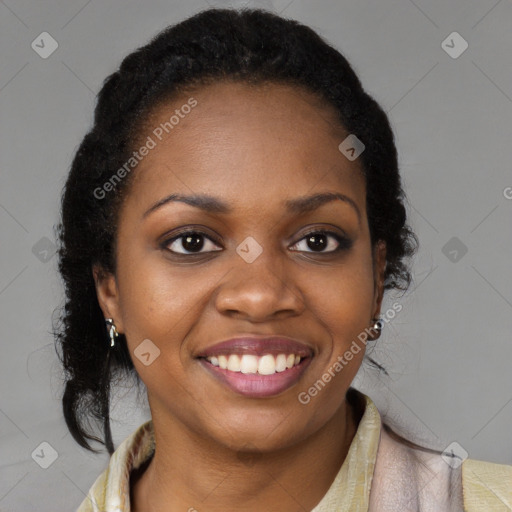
[[267, 364], [256, 366], [254, 376]]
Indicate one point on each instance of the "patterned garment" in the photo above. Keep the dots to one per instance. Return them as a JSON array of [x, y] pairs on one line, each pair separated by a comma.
[[400, 478]]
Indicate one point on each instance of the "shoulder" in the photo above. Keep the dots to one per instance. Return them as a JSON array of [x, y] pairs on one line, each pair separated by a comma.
[[486, 486], [403, 470], [95, 499], [111, 489]]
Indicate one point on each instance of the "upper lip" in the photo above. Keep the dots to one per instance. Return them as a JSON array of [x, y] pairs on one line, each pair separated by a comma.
[[258, 346]]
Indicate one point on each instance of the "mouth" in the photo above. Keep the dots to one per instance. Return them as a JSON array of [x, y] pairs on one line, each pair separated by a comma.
[[267, 364], [257, 367]]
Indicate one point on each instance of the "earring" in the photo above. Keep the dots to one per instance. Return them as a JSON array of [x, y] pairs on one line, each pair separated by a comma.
[[377, 327], [112, 331]]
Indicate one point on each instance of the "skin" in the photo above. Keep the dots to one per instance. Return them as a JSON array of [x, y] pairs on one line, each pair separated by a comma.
[[253, 147]]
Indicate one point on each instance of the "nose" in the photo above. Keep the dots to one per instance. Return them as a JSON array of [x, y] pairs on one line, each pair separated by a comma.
[[259, 291]]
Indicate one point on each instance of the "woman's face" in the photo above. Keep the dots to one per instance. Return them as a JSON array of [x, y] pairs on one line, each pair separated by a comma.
[[243, 262]]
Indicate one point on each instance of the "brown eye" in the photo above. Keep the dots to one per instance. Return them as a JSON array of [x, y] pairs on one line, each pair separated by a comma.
[[318, 241], [190, 242]]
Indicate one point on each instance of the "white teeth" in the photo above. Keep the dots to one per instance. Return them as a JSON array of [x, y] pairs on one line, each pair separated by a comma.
[[281, 363], [248, 363], [267, 365], [234, 363]]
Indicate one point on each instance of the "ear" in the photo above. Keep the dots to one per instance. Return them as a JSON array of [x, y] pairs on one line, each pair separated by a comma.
[[108, 295], [379, 268]]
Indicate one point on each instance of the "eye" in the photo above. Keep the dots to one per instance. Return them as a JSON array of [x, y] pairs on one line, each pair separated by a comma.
[[189, 242], [319, 240], [197, 242]]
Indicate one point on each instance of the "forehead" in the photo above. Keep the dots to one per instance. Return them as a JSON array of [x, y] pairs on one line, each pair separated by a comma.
[[245, 143]]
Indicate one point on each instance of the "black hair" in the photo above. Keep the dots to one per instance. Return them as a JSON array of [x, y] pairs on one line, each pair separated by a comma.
[[246, 45]]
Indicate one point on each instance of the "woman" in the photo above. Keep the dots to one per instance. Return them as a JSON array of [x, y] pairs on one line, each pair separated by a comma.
[[229, 227]]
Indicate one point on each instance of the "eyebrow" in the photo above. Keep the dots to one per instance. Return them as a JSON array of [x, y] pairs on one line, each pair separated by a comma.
[[298, 206]]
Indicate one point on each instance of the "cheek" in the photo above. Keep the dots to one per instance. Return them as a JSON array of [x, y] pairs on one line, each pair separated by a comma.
[[343, 297], [342, 301], [161, 304], [343, 304]]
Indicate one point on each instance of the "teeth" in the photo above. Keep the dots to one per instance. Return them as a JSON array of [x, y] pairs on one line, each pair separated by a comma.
[[267, 365], [247, 363], [234, 363], [281, 363]]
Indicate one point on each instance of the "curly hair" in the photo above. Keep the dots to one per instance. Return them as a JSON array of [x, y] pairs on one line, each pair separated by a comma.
[[246, 45]]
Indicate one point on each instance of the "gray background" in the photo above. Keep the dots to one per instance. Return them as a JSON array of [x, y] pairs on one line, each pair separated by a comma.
[[448, 351]]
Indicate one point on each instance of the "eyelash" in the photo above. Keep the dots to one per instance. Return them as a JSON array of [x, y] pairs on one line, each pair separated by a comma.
[[343, 242]]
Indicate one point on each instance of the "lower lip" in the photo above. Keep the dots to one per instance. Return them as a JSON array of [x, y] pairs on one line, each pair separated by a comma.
[[255, 385]]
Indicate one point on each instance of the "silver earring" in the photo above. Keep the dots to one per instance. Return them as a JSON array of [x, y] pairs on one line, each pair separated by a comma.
[[377, 327], [112, 331]]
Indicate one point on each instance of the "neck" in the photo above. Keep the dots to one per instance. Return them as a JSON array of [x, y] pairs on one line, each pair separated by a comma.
[[190, 473]]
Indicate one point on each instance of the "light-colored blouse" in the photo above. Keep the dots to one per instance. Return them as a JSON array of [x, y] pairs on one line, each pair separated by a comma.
[[378, 474]]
